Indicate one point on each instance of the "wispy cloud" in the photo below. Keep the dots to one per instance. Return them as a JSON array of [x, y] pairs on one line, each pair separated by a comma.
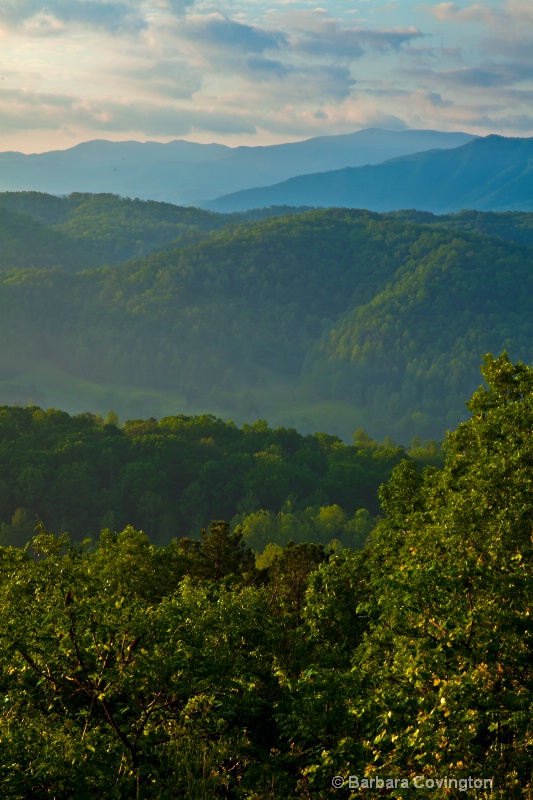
[[39, 110], [317, 33], [221, 31], [353, 42], [112, 16], [487, 75], [451, 12]]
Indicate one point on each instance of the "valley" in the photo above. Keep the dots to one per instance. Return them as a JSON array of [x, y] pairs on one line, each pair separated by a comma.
[[329, 319]]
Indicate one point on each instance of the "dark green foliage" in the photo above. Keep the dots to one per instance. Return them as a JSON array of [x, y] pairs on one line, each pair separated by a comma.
[[407, 352], [81, 473], [91, 230], [452, 581], [121, 680], [27, 243], [134, 671], [223, 553], [290, 570], [516, 226]]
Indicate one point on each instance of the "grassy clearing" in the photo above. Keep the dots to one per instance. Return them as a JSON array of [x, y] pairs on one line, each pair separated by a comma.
[[278, 401]]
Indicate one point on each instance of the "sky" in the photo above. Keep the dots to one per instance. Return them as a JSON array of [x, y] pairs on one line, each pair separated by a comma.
[[255, 72]]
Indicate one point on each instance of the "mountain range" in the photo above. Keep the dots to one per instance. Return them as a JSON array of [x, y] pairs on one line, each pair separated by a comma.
[[490, 173], [188, 173], [328, 319]]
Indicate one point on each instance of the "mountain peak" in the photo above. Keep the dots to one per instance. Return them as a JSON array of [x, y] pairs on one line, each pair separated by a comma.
[[489, 173]]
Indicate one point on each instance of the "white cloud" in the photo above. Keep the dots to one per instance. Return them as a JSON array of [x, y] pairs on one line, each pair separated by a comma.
[[451, 12], [509, 13], [520, 11], [113, 16], [163, 77], [24, 110]]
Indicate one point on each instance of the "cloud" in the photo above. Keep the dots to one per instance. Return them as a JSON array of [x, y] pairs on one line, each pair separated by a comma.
[[511, 13], [266, 68], [343, 43], [475, 77], [112, 16], [240, 68], [393, 39], [361, 112], [164, 77], [330, 81], [165, 120], [486, 76], [221, 31], [504, 47], [299, 87], [518, 11], [177, 7], [355, 43], [436, 100], [24, 110], [316, 33], [451, 12], [328, 37], [515, 122]]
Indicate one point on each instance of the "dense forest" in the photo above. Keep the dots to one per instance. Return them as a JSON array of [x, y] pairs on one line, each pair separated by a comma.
[[319, 319], [171, 478], [192, 669], [193, 607]]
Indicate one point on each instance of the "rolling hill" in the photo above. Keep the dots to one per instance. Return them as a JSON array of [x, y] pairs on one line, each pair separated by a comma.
[[331, 319]]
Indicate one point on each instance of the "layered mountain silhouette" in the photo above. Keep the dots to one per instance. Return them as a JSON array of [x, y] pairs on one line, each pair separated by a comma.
[[187, 173], [493, 173]]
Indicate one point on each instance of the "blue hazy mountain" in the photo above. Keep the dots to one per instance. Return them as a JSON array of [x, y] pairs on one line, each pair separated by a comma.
[[188, 173], [492, 173]]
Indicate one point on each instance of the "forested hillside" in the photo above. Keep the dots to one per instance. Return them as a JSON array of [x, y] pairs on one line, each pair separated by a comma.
[[196, 671], [26, 243], [515, 226], [105, 229], [410, 349], [326, 319]]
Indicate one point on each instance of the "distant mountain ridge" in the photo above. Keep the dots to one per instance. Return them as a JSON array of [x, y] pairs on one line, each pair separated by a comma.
[[492, 173], [188, 173]]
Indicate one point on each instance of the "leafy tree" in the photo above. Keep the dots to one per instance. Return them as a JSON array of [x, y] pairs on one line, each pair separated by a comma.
[[222, 553], [112, 676], [290, 571], [447, 662]]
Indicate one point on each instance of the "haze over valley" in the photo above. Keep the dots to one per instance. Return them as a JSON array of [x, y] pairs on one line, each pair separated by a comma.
[[316, 319]]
